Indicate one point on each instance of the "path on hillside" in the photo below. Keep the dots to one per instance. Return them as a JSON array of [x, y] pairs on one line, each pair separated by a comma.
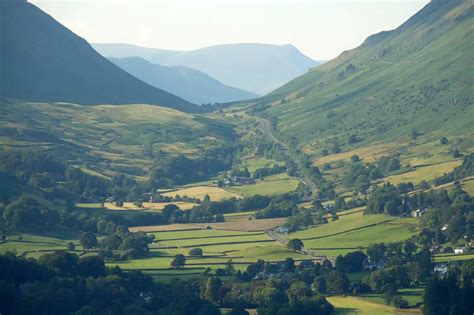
[[284, 149]]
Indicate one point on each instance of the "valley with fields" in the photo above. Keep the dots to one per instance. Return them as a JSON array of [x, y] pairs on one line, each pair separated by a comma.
[[236, 178]]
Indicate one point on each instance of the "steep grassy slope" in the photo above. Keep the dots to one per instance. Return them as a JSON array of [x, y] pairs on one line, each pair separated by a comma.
[[43, 61], [258, 68], [416, 79], [108, 139], [192, 85]]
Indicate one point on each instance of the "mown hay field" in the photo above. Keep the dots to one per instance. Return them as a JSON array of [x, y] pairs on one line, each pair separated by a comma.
[[214, 193], [427, 173], [348, 305]]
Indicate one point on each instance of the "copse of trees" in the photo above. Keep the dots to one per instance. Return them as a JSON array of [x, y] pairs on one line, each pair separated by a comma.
[[169, 171], [451, 294], [62, 283]]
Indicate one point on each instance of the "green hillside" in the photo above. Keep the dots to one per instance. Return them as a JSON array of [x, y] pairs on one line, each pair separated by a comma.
[[107, 140], [413, 81]]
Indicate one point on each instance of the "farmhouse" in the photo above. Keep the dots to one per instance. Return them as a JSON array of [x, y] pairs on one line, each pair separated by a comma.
[[236, 180], [282, 230], [461, 250], [418, 213], [372, 265]]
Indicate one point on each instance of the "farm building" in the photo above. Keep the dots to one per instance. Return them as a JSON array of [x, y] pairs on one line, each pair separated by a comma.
[[461, 250], [418, 213], [236, 180]]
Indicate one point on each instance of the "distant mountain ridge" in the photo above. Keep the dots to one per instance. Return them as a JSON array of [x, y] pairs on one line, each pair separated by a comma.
[[259, 68], [192, 85], [43, 61]]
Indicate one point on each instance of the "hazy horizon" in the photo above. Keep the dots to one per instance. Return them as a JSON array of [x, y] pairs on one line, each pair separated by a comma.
[[319, 29]]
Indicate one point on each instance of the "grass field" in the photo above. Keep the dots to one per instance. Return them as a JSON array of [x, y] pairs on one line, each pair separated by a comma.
[[427, 173], [271, 185], [215, 193], [255, 162], [354, 230], [348, 305], [32, 245], [452, 257], [218, 247]]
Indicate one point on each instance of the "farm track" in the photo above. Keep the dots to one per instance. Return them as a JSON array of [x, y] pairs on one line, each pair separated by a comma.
[[307, 251]]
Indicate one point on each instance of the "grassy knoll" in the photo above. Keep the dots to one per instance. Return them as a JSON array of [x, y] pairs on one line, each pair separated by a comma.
[[271, 185], [355, 230], [215, 193]]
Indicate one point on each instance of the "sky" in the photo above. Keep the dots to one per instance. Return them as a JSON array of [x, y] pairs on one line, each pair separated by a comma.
[[321, 29]]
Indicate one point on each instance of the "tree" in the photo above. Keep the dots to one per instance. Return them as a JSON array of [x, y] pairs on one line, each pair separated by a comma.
[[229, 267], [355, 158], [337, 282], [320, 284], [295, 244], [178, 261], [443, 141], [298, 291], [195, 252], [88, 241], [213, 285], [70, 246]]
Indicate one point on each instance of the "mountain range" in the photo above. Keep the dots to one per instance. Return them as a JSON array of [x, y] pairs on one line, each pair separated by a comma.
[[192, 85], [259, 68], [43, 61]]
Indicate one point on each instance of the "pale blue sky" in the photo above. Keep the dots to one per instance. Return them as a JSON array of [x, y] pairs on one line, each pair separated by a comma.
[[320, 29]]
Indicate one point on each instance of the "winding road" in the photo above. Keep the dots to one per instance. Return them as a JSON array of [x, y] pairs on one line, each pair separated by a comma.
[[267, 131]]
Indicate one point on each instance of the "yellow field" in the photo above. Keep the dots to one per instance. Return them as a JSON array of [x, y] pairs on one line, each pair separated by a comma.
[[367, 153], [215, 193], [424, 173], [348, 305], [239, 224], [157, 206]]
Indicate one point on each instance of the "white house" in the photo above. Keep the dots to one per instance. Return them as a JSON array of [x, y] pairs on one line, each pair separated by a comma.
[[461, 250]]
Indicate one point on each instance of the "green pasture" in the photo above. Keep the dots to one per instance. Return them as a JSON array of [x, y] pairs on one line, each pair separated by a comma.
[[271, 185], [356, 230]]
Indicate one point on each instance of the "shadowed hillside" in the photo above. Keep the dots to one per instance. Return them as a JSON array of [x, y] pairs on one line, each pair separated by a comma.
[[41, 60]]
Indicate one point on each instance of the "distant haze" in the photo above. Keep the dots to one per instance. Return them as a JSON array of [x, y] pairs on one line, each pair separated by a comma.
[[320, 29], [259, 68]]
